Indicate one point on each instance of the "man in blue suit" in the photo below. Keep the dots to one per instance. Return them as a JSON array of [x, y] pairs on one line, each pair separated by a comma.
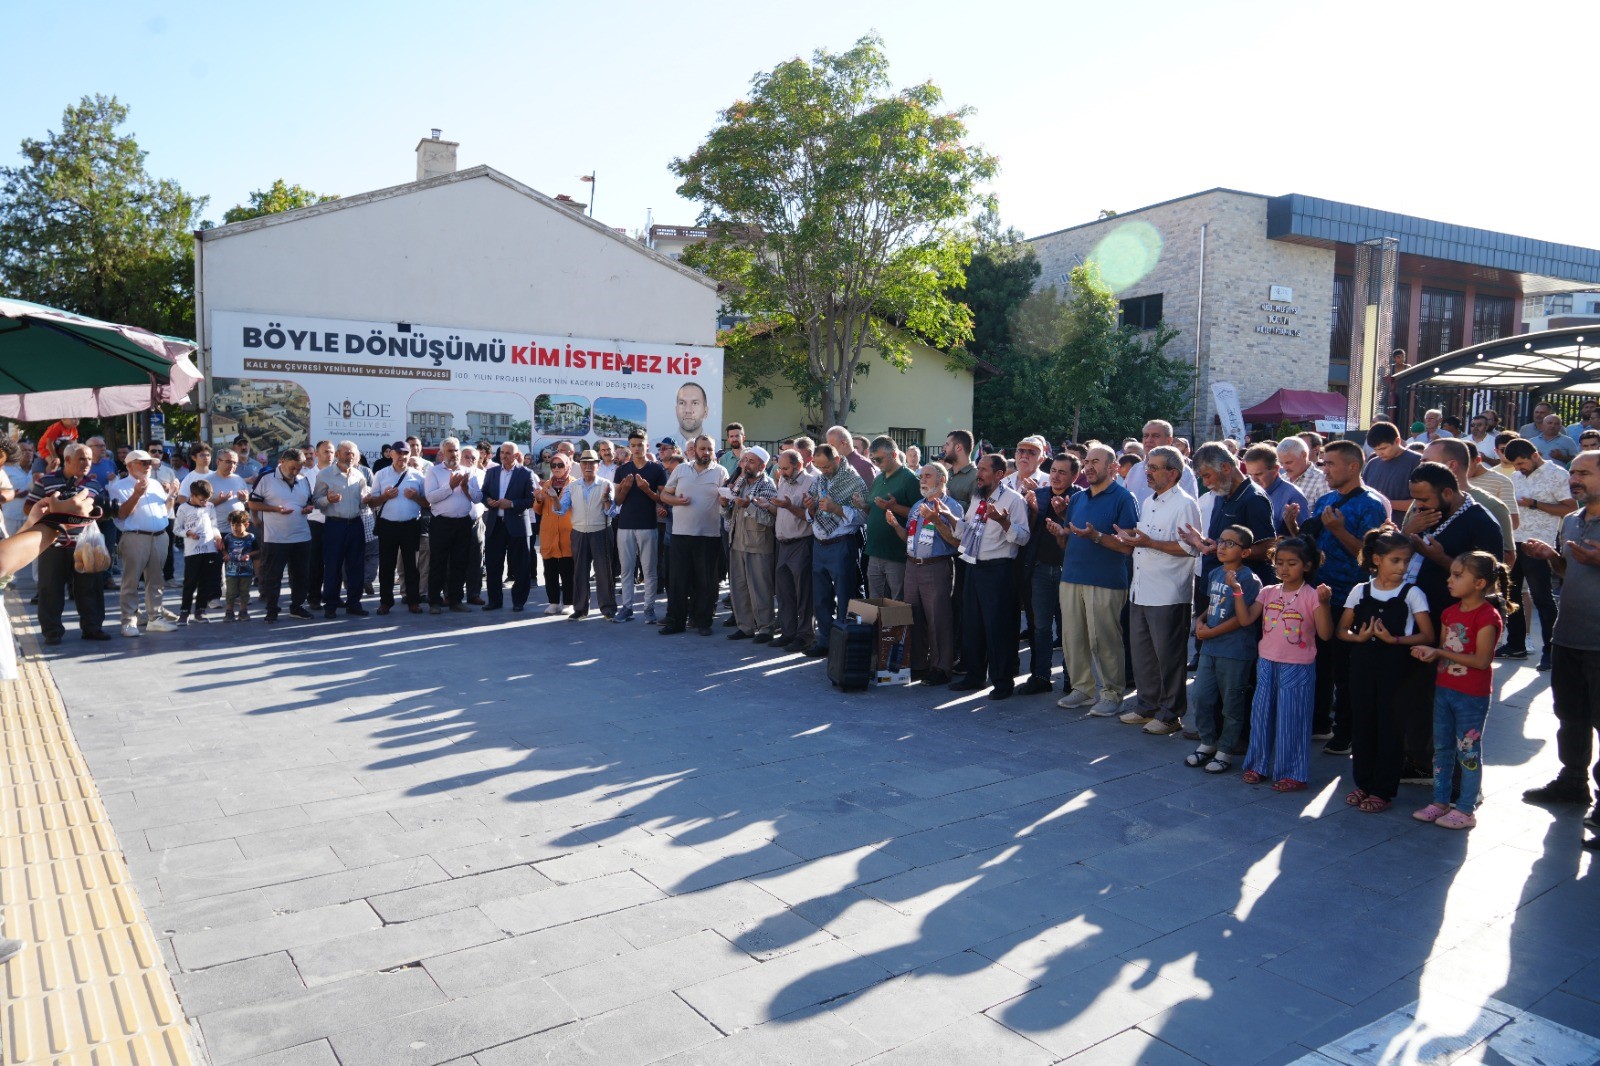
[[508, 489]]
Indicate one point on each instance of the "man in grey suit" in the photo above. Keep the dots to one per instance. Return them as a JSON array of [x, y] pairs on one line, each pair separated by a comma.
[[508, 489]]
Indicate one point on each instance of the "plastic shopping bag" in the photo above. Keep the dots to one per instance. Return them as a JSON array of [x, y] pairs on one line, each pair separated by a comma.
[[91, 556]]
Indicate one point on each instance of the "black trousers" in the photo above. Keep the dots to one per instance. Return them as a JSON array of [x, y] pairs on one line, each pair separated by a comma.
[[692, 592], [502, 547], [558, 580], [344, 554], [296, 558], [1575, 684], [318, 564], [1334, 710], [55, 571], [1377, 683], [451, 544], [200, 576], [1535, 574], [989, 623], [398, 541]]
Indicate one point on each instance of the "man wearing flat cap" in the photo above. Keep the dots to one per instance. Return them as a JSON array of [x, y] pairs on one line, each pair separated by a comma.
[[588, 500]]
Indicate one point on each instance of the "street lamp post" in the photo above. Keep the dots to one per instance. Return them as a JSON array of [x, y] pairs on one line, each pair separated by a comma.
[[589, 177]]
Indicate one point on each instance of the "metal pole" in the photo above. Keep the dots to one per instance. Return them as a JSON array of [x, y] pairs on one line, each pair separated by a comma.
[[1199, 317]]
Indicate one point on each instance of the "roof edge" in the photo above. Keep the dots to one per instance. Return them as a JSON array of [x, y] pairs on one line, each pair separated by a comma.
[[1151, 207], [283, 218]]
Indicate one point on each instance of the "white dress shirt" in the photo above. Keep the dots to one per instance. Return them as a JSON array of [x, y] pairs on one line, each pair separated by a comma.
[[455, 502], [984, 539], [1159, 579], [399, 509]]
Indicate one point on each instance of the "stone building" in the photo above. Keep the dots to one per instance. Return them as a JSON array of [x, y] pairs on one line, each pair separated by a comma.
[[1261, 287]]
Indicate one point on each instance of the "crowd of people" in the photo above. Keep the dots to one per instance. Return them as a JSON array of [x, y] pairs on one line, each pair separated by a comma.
[[1352, 595]]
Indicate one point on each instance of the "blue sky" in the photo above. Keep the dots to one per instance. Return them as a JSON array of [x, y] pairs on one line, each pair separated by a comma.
[[1408, 106]]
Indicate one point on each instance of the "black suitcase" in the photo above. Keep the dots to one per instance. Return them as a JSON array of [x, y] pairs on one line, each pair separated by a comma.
[[852, 650]]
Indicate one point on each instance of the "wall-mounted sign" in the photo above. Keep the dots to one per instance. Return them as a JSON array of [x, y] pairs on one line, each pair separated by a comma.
[[1282, 294], [1279, 309]]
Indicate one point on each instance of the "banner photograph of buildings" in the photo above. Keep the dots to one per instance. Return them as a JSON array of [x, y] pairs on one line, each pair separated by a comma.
[[286, 381]]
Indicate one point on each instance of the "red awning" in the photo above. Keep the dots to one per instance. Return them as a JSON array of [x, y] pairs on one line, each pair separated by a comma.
[[1292, 405]]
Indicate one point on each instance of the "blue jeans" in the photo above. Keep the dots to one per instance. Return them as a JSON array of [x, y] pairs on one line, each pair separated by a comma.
[[1221, 700], [1046, 592], [1458, 721], [833, 582]]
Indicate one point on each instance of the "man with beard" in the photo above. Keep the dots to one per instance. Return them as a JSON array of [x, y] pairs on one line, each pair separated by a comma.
[[932, 536], [993, 530], [693, 490]]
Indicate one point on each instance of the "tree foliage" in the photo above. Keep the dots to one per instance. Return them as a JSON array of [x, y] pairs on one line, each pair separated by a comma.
[[84, 227], [1072, 372], [836, 209], [279, 196]]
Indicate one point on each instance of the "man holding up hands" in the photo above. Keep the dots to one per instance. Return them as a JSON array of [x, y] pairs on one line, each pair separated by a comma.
[[1094, 586], [639, 482], [396, 500], [282, 497], [932, 536]]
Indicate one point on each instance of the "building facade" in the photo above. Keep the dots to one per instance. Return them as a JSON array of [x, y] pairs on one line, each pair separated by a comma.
[[1261, 288]]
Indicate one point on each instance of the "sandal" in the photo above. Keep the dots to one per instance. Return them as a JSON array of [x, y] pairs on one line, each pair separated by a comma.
[[1287, 784], [1356, 797], [1373, 805], [1198, 757], [1253, 778], [1219, 764], [1432, 812], [1456, 818]]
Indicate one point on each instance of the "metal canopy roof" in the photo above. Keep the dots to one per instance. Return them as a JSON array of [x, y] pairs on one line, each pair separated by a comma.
[[1556, 360]]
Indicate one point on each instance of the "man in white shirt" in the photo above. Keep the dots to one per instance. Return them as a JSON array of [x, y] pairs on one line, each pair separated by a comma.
[[1158, 434], [142, 517], [588, 500], [472, 461], [992, 531], [396, 500], [1544, 498], [693, 492], [451, 489], [317, 460], [1162, 595]]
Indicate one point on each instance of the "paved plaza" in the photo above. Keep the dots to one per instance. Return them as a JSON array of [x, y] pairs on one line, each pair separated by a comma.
[[505, 838]]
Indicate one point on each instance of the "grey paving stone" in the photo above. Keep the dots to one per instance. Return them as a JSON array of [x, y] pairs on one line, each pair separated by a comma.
[[569, 903], [915, 1004], [975, 1040], [211, 912], [615, 982], [316, 1053], [428, 840], [773, 989], [287, 1021], [393, 945], [356, 829], [223, 827], [634, 1035], [1264, 1013], [451, 1030], [500, 853], [1090, 1006], [237, 983], [465, 973], [177, 885], [198, 950], [346, 885], [1134, 1047], [1054, 949], [814, 1041], [437, 898]]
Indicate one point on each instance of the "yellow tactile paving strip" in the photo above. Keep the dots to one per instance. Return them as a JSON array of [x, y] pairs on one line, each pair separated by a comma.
[[90, 987]]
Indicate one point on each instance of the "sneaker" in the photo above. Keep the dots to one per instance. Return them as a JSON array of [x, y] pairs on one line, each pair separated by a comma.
[[9, 947], [1034, 686], [1505, 651], [624, 615], [1073, 700], [229, 616], [130, 630], [1456, 818], [650, 619], [299, 612], [553, 609], [1544, 665], [161, 625], [1432, 812], [183, 620], [244, 614], [1105, 708], [1158, 728], [1558, 791], [168, 615], [1339, 749], [200, 616], [1136, 718]]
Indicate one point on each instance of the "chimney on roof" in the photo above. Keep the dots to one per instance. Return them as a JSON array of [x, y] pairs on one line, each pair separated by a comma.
[[435, 157]]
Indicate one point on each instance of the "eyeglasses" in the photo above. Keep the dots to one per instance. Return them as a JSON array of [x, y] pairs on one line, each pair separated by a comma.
[[1230, 543], [877, 460]]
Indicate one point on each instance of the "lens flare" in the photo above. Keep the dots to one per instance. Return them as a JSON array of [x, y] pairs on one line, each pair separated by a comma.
[[1127, 254]]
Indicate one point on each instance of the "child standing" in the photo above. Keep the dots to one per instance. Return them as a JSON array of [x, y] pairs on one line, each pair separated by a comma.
[[1383, 620], [239, 544], [1221, 696], [197, 525], [1293, 616], [1470, 632]]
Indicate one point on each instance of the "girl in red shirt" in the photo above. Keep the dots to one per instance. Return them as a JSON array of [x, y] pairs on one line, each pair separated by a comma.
[[1469, 632]]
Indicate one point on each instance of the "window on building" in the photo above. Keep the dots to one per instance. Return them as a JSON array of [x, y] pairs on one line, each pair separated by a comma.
[[1558, 305], [1492, 318], [1440, 322], [905, 438], [1140, 312], [1343, 298]]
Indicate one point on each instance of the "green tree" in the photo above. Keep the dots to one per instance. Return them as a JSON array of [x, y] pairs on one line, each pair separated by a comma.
[[836, 209], [85, 227], [1073, 373], [279, 196]]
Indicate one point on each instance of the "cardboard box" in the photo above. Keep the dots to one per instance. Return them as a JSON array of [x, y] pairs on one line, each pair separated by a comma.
[[892, 619]]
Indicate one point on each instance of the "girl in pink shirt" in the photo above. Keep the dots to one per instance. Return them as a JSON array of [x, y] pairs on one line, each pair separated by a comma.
[[1293, 615]]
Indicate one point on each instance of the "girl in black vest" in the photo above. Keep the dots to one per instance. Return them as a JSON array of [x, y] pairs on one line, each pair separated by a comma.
[[1383, 619]]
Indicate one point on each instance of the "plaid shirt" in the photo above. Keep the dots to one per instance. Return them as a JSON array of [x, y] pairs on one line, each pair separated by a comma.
[[845, 487]]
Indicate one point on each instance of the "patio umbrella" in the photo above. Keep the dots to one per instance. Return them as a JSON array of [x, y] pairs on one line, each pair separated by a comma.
[[55, 364]]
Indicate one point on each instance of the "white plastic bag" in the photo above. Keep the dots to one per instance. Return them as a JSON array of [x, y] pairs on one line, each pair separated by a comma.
[[91, 556]]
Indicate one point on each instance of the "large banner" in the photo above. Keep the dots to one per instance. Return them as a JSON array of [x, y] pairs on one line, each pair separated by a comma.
[[287, 382]]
